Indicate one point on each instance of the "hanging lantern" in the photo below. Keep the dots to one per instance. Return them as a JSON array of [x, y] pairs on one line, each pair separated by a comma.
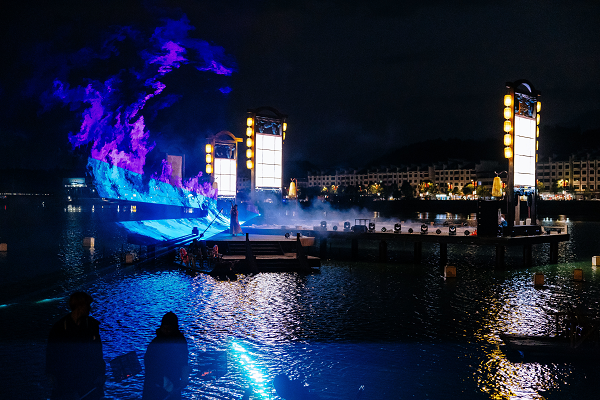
[[508, 139], [249, 121], [208, 148], [507, 126], [209, 158], [507, 113], [508, 100], [539, 106], [249, 153], [508, 152], [209, 168], [538, 118], [249, 131], [497, 187], [249, 142]]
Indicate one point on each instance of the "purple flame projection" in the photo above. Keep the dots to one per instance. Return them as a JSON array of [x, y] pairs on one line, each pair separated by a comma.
[[116, 132]]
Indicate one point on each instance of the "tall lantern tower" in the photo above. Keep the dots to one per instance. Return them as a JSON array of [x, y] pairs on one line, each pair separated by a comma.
[[521, 134], [221, 163], [265, 133]]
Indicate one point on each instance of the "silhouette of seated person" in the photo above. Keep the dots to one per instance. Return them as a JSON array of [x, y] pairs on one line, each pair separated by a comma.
[[166, 362], [74, 360]]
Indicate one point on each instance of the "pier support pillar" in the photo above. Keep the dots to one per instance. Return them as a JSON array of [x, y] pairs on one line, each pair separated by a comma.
[[383, 251], [527, 259], [151, 250], [443, 253], [500, 251], [418, 256], [300, 254], [554, 253], [354, 251], [322, 247]]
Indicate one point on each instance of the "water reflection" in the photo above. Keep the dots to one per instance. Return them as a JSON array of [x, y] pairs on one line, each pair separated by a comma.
[[394, 328]]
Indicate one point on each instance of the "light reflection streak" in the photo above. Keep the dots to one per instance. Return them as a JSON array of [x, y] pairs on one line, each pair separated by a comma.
[[520, 308], [502, 379], [253, 370]]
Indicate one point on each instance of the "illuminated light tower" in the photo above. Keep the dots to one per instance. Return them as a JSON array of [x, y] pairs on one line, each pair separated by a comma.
[[265, 134], [521, 134], [221, 163]]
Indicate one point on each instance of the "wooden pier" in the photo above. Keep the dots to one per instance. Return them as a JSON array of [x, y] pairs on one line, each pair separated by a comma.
[[443, 240], [551, 236], [267, 252]]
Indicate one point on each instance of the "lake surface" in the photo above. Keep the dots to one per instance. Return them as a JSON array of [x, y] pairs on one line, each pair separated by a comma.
[[397, 330]]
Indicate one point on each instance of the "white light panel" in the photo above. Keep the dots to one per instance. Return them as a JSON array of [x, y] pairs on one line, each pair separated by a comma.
[[225, 176], [268, 159], [524, 152]]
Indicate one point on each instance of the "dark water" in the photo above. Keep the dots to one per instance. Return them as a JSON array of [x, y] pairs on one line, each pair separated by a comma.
[[399, 330]]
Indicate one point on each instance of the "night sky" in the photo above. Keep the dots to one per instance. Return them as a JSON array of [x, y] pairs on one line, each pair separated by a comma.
[[356, 79]]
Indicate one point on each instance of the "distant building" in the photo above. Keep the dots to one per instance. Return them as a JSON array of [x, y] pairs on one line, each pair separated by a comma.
[[447, 175], [580, 175]]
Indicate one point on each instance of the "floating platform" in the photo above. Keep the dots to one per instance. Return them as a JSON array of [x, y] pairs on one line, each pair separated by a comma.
[[552, 237], [262, 253]]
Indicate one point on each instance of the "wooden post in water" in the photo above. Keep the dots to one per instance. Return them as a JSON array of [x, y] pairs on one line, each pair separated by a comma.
[[554, 253], [322, 247], [250, 259], [383, 251], [527, 259], [500, 251], [300, 255], [354, 249], [443, 253], [418, 256]]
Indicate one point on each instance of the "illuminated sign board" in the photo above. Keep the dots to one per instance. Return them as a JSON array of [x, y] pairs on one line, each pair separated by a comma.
[[225, 170], [269, 155], [525, 129]]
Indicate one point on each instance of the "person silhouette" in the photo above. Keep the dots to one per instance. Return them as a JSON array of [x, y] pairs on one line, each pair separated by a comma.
[[74, 360], [234, 225], [166, 362]]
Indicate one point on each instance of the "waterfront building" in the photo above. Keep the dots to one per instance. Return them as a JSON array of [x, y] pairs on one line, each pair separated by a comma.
[[578, 176]]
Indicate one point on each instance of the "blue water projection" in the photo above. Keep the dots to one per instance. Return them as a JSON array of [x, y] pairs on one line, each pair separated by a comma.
[[166, 229], [117, 135]]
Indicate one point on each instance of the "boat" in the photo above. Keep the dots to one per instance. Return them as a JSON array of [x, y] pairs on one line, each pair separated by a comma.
[[210, 263], [575, 338]]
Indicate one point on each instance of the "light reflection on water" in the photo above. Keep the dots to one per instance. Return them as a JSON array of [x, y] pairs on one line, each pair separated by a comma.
[[400, 330]]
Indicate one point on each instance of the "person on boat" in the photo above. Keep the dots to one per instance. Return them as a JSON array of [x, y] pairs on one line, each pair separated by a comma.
[[503, 222], [234, 225], [194, 252], [74, 360], [166, 362]]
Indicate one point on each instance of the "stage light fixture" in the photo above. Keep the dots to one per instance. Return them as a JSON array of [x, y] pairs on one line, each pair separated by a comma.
[[383, 229], [410, 230], [452, 230], [371, 226], [438, 231], [467, 233], [397, 228], [424, 229], [324, 224], [347, 226], [335, 228]]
